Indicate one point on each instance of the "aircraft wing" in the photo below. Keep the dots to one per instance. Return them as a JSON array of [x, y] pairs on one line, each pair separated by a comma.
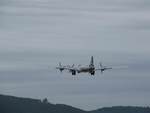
[[71, 68], [109, 68], [100, 69]]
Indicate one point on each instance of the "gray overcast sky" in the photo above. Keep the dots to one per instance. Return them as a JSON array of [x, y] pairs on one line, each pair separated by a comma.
[[36, 34]]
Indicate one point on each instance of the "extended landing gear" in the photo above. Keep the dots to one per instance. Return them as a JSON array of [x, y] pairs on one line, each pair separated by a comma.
[[73, 72], [93, 73]]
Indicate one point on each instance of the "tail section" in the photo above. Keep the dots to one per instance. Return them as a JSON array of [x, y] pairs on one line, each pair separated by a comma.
[[92, 62], [91, 66]]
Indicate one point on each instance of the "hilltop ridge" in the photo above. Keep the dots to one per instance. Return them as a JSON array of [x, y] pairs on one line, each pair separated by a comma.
[[12, 104]]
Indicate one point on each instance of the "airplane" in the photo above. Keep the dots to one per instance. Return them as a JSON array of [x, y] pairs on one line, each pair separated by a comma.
[[86, 69]]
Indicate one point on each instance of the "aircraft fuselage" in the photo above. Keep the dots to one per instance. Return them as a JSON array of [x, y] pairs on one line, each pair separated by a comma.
[[90, 70]]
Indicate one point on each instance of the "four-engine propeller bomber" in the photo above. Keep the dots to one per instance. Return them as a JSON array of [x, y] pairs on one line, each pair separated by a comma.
[[87, 69]]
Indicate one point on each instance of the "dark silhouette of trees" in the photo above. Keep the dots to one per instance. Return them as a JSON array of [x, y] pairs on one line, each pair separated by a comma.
[[10, 104], [45, 101]]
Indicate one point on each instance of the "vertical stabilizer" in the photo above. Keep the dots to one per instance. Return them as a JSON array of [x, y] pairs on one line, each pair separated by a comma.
[[92, 61]]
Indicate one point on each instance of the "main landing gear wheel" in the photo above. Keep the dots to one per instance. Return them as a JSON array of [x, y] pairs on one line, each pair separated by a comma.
[[73, 72], [93, 73]]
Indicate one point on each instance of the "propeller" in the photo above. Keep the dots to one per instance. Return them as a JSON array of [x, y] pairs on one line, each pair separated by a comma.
[[72, 66], [101, 66], [60, 67], [60, 64], [79, 65]]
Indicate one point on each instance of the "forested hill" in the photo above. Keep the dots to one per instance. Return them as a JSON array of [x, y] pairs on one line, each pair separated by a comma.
[[10, 104], [122, 109]]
